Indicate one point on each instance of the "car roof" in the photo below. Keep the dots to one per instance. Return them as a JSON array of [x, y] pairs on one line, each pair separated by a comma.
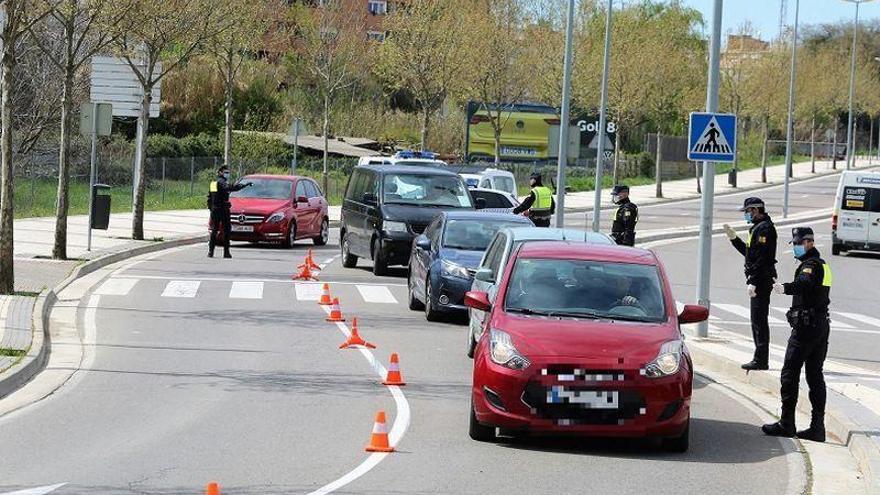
[[485, 215], [584, 251], [282, 177], [410, 169], [545, 234]]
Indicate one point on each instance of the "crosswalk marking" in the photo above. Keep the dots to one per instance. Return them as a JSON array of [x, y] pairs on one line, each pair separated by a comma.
[[860, 318], [246, 290], [744, 312], [308, 291], [376, 294], [181, 288], [116, 287]]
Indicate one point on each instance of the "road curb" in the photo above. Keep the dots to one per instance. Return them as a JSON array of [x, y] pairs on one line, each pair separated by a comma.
[[857, 440], [38, 354]]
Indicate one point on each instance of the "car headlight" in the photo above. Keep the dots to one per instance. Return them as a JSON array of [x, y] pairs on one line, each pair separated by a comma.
[[503, 352], [668, 360], [275, 217], [453, 269], [389, 226]]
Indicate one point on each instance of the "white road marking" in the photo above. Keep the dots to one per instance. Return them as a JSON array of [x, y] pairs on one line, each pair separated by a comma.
[[745, 312], [308, 292], [181, 288], [42, 490], [786, 325], [859, 318], [864, 395], [246, 290], [376, 294], [116, 287], [230, 279], [401, 422]]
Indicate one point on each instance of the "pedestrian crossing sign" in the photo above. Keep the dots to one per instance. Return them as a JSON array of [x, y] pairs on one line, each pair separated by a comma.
[[712, 137]]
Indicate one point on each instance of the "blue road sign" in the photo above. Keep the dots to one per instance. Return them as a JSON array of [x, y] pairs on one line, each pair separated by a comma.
[[712, 137]]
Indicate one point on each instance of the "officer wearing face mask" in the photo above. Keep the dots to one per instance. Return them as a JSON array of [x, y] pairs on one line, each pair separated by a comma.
[[623, 230], [759, 250], [218, 203], [539, 202], [808, 343]]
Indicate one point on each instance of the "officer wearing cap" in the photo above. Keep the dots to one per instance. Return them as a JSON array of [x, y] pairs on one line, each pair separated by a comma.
[[759, 250], [539, 202], [808, 343], [623, 230]]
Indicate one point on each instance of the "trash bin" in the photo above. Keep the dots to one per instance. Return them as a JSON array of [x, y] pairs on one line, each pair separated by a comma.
[[100, 207], [731, 178]]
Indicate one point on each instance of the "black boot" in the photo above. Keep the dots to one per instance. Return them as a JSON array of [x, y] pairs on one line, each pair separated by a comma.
[[227, 255], [816, 431], [210, 254], [782, 428], [755, 366]]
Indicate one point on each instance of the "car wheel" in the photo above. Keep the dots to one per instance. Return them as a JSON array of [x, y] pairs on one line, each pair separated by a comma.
[[414, 303], [291, 235], [380, 264], [835, 249], [431, 314], [680, 443], [348, 260], [480, 432], [324, 236]]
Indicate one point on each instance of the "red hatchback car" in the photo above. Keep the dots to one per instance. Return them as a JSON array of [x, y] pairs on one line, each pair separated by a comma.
[[279, 209], [583, 339]]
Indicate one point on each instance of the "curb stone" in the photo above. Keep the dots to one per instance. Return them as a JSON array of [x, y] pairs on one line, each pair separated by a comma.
[[38, 354]]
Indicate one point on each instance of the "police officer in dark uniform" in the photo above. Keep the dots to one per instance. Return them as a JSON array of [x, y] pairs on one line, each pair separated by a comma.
[[539, 202], [623, 230], [218, 202], [759, 250], [808, 343]]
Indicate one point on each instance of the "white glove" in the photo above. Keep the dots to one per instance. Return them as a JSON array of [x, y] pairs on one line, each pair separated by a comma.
[[752, 291], [629, 301], [731, 234], [778, 288]]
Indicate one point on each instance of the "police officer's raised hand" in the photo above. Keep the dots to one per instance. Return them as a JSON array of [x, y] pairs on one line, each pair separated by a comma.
[[731, 234]]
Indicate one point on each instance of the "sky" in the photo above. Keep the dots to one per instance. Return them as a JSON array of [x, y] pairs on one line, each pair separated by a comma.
[[764, 14]]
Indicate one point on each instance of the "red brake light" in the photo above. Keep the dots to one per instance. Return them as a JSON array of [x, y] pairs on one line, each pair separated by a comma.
[[834, 222], [552, 121]]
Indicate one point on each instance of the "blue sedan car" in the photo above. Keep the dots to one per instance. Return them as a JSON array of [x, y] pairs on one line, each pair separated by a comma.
[[444, 258]]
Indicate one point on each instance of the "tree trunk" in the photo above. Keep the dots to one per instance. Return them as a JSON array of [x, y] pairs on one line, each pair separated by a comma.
[[326, 130], [871, 142], [616, 167], [426, 116], [59, 249], [813, 145], [834, 147], [227, 132], [498, 143], [7, 275], [137, 217], [658, 175], [764, 150]]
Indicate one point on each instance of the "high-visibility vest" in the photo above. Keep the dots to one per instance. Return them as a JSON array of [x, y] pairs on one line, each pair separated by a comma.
[[543, 199], [213, 187], [827, 277]]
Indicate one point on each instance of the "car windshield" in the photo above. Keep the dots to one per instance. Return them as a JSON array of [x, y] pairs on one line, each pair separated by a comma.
[[471, 235], [426, 190], [589, 289], [265, 189]]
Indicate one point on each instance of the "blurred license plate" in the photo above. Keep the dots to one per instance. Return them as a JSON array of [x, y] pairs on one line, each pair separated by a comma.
[[590, 399], [518, 151], [242, 228]]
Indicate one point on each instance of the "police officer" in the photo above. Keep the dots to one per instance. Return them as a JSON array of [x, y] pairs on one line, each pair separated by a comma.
[[623, 230], [539, 202], [808, 343], [759, 250], [218, 202]]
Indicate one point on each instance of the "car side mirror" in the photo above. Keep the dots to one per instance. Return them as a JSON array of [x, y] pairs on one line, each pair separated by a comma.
[[302, 199], [477, 300], [369, 198], [485, 275], [423, 243], [693, 313], [480, 203]]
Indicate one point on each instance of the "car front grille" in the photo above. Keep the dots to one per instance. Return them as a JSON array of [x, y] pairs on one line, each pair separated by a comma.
[[247, 218]]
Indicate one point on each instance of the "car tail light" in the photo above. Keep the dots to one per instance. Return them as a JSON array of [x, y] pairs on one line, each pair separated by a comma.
[[476, 119], [834, 222], [552, 121]]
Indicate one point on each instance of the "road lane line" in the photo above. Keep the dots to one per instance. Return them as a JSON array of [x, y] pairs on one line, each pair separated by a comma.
[[308, 291], [246, 290], [239, 279], [181, 288], [116, 287], [874, 322], [376, 294], [745, 312], [398, 429], [834, 328], [42, 490]]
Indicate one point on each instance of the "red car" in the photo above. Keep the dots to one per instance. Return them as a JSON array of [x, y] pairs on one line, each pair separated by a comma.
[[583, 339], [281, 209]]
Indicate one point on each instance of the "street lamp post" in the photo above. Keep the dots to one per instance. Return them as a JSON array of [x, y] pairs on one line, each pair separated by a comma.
[[564, 121], [852, 82], [790, 127], [603, 116]]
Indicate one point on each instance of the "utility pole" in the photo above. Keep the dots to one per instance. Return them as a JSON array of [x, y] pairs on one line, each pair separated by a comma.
[[852, 80], [603, 116], [562, 161], [790, 127], [708, 200]]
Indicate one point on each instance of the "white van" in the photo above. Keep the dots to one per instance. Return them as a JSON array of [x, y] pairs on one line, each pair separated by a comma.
[[491, 178], [406, 157], [856, 220]]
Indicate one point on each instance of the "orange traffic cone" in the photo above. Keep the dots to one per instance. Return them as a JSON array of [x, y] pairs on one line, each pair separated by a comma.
[[325, 297], [335, 312], [213, 489], [379, 438], [311, 261], [354, 339], [305, 274], [394, 377]]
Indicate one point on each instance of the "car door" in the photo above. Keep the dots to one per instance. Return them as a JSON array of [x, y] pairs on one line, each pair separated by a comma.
[[316, 206], [304, 214], [491, 259], [874, 217], [421, 259], [355, 211], [855, 216], [493, 199]]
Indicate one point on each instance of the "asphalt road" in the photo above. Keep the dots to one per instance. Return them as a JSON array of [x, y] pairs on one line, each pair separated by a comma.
[[234, 376]]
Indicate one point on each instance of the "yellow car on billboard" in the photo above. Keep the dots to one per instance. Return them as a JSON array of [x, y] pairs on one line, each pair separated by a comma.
[[525, 135]]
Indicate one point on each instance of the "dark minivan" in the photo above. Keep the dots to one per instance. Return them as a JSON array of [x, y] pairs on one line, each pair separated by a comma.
[[386, 206]]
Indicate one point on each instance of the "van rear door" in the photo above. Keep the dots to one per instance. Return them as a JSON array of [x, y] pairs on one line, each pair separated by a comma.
[[854, 205], [874, 216]]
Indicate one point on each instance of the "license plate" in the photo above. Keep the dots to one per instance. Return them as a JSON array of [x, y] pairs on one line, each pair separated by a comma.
[[518, 151], [589, 399], [242, 228]]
